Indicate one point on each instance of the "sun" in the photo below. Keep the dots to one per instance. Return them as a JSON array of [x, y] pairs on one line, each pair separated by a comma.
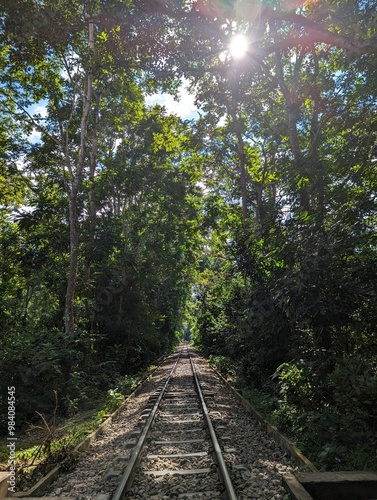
[[238, 46]]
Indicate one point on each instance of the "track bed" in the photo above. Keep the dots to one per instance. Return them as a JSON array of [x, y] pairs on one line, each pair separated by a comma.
[[177, 459]]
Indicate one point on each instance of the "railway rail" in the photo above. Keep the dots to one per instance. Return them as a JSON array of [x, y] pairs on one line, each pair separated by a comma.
[[184, 436], [183, 442]]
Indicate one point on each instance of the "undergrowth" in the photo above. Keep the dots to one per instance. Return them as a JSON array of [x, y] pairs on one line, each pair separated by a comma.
[[55, 442]]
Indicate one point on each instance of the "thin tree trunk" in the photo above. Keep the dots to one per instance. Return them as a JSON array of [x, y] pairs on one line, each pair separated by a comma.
[[242, 169], [292, 107], [241, 152], [92, 211], [73, 261], [315, 132], [259, 203], [76, 178], [232, 111], [92, 170]]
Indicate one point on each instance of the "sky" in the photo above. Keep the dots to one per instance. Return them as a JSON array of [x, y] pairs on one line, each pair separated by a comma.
[[40, 109], [185, 108]]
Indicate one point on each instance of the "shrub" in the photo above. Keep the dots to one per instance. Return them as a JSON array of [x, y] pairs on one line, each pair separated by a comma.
[[223, 364]]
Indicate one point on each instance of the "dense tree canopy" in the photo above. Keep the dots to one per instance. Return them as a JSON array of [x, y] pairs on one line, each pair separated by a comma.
[[253, 226]]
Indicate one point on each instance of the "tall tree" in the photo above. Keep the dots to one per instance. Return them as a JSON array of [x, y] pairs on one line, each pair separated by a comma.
[[69, 68]]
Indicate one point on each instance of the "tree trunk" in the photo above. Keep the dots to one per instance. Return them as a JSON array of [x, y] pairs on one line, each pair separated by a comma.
[[259, 203], [241, 159], [243, 175], [92, 170], [293, 107], [73, 261], [92, 209], [315, 133], [75, 182], [237, 127]]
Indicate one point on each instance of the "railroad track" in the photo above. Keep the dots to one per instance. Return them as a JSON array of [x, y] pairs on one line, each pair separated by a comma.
[[178, 453], [173, 440]]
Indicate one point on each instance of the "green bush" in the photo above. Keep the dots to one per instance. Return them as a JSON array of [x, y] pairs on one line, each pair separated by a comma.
[[331, 417], [114, 399], [249, 371], [353, 383], [295, 385], [32, 363], [223, 364], [37, 363]]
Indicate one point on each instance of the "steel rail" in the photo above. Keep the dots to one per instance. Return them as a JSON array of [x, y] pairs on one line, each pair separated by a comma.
[[129, 473], [218, 456]]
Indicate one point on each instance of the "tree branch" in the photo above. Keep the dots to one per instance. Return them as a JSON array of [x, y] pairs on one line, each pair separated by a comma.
[[314, 33], [29, 118]]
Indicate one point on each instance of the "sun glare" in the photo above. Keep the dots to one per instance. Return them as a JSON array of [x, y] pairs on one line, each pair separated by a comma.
[[238, 46]]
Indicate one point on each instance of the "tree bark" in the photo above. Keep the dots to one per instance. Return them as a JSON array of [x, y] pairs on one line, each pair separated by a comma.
[[73, 261], [292, 107], [75, 182], [242, 169], [237, 127], [314, 155]]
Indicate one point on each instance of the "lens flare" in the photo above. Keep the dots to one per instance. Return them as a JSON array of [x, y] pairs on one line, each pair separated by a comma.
[[238, 46]]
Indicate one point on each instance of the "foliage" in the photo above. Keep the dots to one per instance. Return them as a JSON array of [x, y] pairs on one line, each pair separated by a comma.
[[223, 365], [333, 419]]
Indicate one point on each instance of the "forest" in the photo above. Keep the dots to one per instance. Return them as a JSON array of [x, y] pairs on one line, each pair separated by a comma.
[[248, 228]]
